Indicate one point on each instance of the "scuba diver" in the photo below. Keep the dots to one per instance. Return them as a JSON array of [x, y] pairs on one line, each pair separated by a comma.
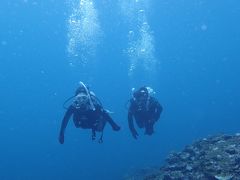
[[145, 109], [88, 113]]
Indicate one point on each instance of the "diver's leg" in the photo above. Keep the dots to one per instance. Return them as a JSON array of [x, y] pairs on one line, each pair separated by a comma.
[[149, 128], [93, 134], [99, 124]]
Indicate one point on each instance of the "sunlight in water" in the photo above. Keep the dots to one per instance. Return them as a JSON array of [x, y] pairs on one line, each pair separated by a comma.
[[84, 32], [140, 37]]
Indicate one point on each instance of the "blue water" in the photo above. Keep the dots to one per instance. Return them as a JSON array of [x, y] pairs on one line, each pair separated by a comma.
[[195, 77]]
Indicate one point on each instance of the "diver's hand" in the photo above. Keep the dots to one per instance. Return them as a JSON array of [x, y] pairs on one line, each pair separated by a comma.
[[134, 134], [116, 128], [61, 138]]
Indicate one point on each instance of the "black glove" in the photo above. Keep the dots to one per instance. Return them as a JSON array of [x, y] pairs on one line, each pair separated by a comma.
[[61, 138], [116, 128], [134, 134]]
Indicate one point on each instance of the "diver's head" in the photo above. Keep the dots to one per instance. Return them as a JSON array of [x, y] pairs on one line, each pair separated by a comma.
[[81, 101], [83, 96], [141, 96]]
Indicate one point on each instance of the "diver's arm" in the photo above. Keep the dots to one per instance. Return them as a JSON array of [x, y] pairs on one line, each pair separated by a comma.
[[131, 125], [104, 113], [64, 123], [158, 110]]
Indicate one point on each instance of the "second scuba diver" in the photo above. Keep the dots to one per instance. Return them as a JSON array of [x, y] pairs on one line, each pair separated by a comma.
[[145, 109]]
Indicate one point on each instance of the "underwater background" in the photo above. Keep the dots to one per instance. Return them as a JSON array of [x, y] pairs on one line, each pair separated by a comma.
[[186, 50]]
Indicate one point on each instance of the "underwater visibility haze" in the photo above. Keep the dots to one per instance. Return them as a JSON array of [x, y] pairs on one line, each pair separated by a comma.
[[186, 50]]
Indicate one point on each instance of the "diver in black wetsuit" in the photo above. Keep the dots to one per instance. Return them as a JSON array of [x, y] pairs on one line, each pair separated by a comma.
[[88, 113], [145, 109]]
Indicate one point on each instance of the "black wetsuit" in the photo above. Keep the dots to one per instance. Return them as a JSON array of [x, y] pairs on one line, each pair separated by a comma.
[[145, 116], [94, 119]]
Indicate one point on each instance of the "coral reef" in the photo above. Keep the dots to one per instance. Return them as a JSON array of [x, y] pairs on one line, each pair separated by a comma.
[[213, 158]]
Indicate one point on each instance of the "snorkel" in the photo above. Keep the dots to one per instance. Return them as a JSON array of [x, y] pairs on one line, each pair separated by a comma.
[[88, 94]]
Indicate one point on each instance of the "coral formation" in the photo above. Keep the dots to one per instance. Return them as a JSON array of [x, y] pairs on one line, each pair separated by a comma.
[[215, 158]]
